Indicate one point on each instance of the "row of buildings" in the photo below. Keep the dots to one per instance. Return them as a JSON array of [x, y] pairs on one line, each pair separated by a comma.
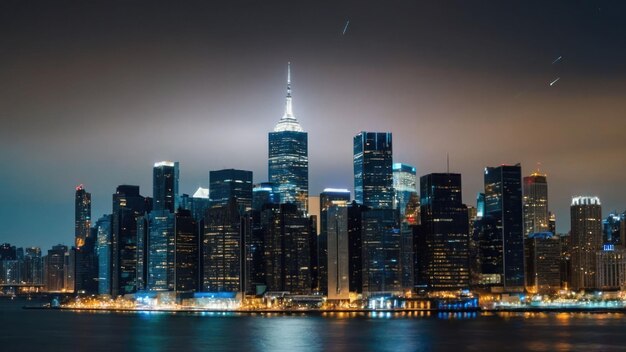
[[396, 235]]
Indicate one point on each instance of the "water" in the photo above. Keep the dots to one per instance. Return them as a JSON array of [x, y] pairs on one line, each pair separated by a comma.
[[54, 330]]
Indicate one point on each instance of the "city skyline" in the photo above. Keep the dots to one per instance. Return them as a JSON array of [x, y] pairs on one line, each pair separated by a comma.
[[109, 131]]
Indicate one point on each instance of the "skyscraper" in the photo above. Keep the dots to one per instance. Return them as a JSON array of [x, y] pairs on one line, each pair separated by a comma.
[[160, 249], [288, 166], [55, 268], [325, 245], [103, 226], [543, 262], [503, 205], [443, 241], [586, 240], [231, 183], [407, 203], [373, 176], [86, 261], [82, 215], [128, 206], [186, 252], [286, 248], [536, 218], [222, 248], [165, 176], [337, 272]]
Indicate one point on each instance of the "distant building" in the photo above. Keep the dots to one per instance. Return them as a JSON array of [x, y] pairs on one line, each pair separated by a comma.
[[286, 248], [381, 247], [328, 198], [231, 183], [373, 175], [503, 205], [442, 244], [288, 163], [165, 175], [86, 264], [536, 218], [222, 248], [613, 227], [586, 240], [160, 251], [355, 246], [543, 261], [103, 228], [611, 268], [128, 206], [332, 250], [264, 193], [55, 268], [186, 252]]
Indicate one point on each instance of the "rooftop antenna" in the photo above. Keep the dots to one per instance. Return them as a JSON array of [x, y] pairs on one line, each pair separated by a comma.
[[448, 161]]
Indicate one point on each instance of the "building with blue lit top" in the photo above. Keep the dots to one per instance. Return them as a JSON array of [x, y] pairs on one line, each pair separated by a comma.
[[288, 159]]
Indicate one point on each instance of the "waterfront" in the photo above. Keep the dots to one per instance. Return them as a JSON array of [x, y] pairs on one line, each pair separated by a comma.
[[57, 330]]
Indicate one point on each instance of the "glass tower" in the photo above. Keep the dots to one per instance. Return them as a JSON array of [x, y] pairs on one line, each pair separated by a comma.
[[373, 176], [165, 186], [288, 166], [443, 242], [231, 183], [536, 217], [503, 204]]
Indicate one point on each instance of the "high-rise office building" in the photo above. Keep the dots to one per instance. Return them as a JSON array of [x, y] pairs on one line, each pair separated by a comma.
[[286, 248], [381, 251], [407, 203], [586, 240], [328, 198], [222, 248], [288, 166], [159, 257], [373, 176], [103, 228], [503, 205], [611, 268], [165, 176], [337, 267], [82, 215], [404, 185], [186, 252], [612, 227], [543, 262], [55, 268], [128, 206], [86, 261], [231, 183], [355, 246], [536, 218], [442, 244], [33, 266]]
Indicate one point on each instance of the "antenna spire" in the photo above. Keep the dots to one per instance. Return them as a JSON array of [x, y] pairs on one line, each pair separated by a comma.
[[448, 161]]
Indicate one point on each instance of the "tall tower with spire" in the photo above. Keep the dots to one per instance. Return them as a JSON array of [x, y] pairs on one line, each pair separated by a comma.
[[288, 166]]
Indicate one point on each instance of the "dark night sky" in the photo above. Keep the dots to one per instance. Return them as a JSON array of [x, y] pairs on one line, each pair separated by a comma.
[[96, 92]]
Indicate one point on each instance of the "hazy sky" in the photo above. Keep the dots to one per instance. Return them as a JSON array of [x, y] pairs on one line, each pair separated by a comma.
[[96, 92]]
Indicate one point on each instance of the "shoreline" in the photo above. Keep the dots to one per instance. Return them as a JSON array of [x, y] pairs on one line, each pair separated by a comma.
[[318, 312]]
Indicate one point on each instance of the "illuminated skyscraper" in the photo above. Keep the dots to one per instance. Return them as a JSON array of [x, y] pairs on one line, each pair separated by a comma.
[[286, 248], [86, 262], [103, 226], [82, 215], [373, 176], [586, 240], [503, 205], [222, 248], [128, 206], [407, 203], [165, 176], [543, 262], [186, 252], [327, 248], [288, 166], [231, 183], [160, 251], [442, 244], [536, 218]]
